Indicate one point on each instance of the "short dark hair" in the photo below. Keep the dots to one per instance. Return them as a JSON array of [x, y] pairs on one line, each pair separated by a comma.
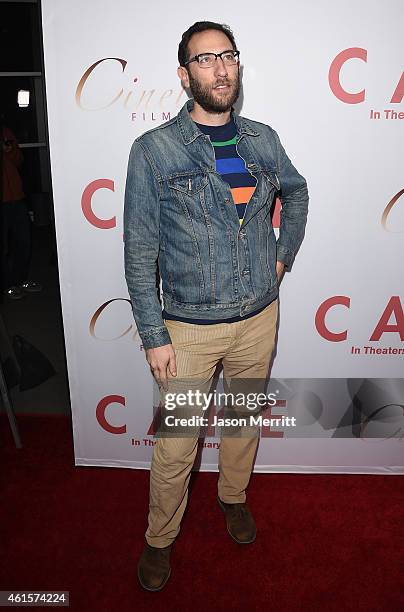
[[201, 26]]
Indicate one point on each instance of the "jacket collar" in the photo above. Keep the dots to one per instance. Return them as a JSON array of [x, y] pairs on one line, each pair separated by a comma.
[[190, 131]]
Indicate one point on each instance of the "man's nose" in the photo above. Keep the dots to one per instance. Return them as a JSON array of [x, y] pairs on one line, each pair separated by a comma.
[[220, 68]]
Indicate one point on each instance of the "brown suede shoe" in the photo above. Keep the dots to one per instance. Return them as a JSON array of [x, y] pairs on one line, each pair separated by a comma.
[[154, 569], [240, 522]]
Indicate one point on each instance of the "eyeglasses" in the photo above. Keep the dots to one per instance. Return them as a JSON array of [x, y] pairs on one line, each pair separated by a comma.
[[207, 60]]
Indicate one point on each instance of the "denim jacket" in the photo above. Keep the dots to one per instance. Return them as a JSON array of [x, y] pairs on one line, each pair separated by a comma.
[[179, 219]]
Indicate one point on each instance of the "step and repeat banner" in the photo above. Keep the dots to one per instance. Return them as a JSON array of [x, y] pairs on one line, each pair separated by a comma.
[[328, 77]]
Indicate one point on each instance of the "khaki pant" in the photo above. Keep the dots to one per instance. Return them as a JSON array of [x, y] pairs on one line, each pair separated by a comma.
[[245, 349]]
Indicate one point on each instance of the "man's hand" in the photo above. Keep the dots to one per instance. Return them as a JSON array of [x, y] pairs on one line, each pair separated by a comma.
[[280, 269], [159, 359]]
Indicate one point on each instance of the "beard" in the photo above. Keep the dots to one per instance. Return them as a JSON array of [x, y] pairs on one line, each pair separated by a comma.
[[205, 96]]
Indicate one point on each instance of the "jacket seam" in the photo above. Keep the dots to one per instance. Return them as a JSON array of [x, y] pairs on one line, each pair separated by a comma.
[[153, 167]]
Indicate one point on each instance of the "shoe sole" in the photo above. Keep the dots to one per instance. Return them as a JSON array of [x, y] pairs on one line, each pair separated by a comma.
[[153, 590], [230, 534]]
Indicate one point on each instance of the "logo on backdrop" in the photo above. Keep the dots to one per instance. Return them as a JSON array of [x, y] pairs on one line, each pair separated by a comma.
[[368, 409], [113, 405], [359, 96], [96, 93], [102, 407], [86, 203], [394, 329], [103, 314], [387, 210]]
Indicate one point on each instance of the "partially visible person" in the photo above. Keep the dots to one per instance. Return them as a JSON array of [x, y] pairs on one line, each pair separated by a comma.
[[16, 223]]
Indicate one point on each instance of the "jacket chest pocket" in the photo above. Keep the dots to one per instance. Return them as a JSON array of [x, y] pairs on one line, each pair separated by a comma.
[[270, 185], [271, 177], [190, 191]]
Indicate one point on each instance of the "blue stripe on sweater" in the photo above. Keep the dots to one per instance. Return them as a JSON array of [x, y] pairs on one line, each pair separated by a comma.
[[230, 165]]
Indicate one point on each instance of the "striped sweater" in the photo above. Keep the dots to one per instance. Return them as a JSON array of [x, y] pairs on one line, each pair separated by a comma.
[[230, 165]]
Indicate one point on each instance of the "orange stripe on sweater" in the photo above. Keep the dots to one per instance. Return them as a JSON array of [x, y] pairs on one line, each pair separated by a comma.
[[241, 195]]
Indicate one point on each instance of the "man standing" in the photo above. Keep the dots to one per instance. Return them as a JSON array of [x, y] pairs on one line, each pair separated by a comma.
[[198, 199], [15, 223]]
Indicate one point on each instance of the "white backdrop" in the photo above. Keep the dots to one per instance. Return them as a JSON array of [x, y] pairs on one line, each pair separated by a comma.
[[329, 78]]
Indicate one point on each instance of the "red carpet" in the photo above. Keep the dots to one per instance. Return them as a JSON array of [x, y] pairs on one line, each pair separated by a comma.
[[329, 543]]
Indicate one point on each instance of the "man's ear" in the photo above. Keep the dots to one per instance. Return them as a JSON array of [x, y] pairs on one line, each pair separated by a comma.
[[183, 75]]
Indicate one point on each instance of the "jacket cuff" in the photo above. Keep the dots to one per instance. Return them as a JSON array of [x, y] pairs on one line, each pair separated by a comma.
[[284, 255], [157, 337]]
